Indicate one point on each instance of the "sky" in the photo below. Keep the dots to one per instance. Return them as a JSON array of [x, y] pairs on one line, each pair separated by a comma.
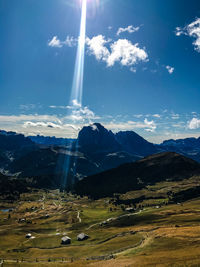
[[141, 68]]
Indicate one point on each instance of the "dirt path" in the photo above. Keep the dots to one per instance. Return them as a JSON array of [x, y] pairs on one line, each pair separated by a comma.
[[78, 217], [146, 240], [114, 219]]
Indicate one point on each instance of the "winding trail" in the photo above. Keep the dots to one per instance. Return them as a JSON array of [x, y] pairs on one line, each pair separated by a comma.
[[114, 219], [78, 217], [145, 241]]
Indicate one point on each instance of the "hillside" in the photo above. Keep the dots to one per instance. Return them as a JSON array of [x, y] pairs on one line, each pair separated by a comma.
[[167, 166]]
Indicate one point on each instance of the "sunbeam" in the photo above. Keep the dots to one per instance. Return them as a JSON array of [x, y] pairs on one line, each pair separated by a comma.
[[69, 164], [77, 86]]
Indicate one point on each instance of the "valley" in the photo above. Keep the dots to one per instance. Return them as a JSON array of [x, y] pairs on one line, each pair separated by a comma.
[[99, 133], [155, 229], [113, 200]]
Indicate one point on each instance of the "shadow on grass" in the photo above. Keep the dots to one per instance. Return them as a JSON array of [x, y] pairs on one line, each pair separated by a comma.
[[144, 219]]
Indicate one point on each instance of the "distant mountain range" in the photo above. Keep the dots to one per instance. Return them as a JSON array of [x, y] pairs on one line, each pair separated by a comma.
[[51, 140], [189, 147], [59, 161]]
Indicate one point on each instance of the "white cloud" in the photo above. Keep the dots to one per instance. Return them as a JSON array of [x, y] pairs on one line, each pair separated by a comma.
[[22, 117], [122, 51], [133, 70], [55, 42], [179, 125], [26, 107], [82, 114], [138, 116], [129, 29], [78, 116], [41, 124], [179, 31], [69, 41], [170, 69], [58, 107], [107, 50], [124, 126], [76, 104], [175, 116], [126, 53], [156, 115], [79, 113], [67, 126], [151, 125], [192, 30], [194, 124], [50, 125], [96, 47]]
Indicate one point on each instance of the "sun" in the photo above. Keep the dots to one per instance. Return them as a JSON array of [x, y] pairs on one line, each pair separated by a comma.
[[93, 2]]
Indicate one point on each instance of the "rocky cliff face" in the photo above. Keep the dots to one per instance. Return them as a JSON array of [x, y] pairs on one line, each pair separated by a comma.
[[97, 138], [134, 143]]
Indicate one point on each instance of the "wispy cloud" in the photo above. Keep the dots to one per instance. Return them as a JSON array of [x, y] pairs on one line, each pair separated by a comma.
[[79, 113], [41, 124], [49, 125], [58, 107], [130, 125], [69, 41], [151, 125], [192, 30], [155, 127], [31, 117], [138, 115], [82, 114], [156, 115], [170, 69], [55, 42], [129, 29], [175, 116], [26, 107], [194, 124], [133, 70]]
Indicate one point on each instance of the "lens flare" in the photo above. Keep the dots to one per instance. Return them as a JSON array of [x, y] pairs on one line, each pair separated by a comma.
[[70, 160], [77, 86]]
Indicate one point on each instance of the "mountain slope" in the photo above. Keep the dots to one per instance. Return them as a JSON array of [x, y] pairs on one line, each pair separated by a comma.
[[134, 143], [11, 141], [136, 175], [96, 138]]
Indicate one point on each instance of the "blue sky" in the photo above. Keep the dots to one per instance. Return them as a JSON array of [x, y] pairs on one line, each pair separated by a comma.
[[141, 71]]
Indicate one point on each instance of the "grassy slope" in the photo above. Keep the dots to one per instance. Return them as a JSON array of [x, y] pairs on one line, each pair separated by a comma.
[[166, 235]]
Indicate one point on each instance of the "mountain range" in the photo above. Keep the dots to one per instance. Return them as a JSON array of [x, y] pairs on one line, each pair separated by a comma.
[[62, 162]]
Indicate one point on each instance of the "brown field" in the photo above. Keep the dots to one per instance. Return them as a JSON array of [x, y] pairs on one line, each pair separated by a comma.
[[165, 235]]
